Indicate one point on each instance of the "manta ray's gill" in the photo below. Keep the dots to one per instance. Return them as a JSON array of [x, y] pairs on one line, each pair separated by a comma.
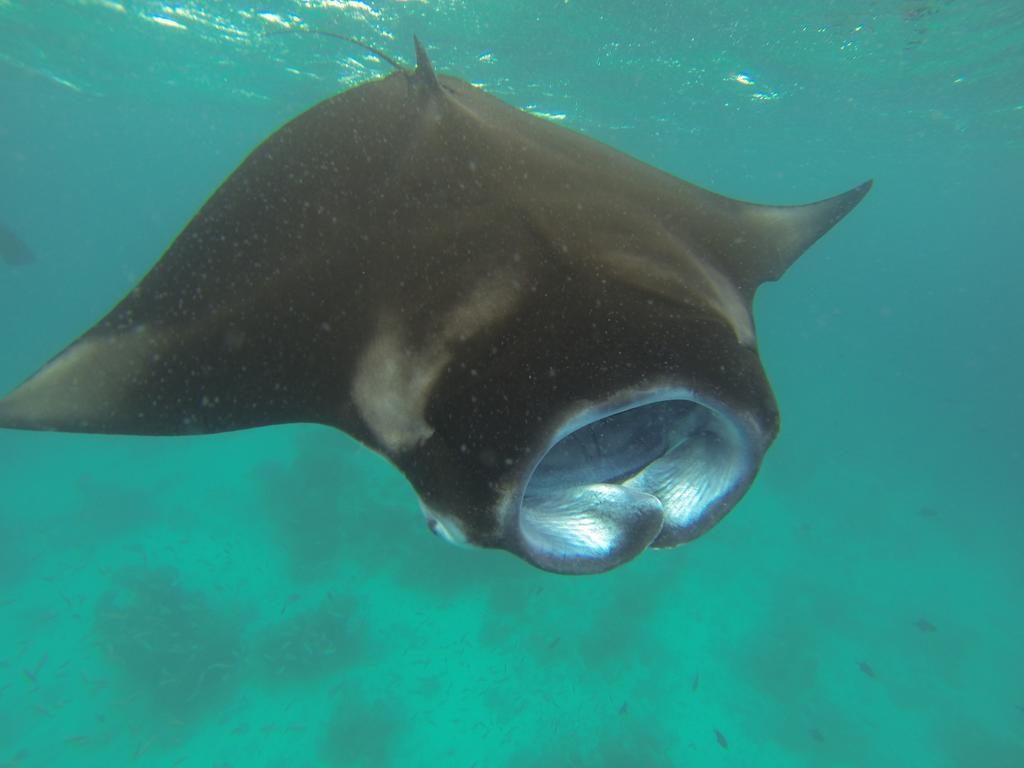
[[550, 339]]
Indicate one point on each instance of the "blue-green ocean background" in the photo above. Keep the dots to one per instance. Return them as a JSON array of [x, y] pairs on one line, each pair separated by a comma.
[[272, 597]]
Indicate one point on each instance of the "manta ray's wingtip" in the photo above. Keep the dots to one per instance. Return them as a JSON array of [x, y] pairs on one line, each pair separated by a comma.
[[857, 193], [832, 209]]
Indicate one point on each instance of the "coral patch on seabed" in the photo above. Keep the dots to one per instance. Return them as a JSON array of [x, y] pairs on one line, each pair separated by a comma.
[[173, 651], [312, 644]]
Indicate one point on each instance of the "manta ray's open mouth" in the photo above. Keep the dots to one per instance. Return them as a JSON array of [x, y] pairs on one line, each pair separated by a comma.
[[656, 472]]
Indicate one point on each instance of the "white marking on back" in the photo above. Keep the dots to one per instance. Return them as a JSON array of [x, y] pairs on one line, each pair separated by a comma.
[[733, 307], [391, 388], [394, 379]]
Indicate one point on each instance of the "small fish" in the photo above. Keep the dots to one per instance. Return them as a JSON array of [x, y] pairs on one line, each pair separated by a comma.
[[624, 709], [927, 511], [288, 601], [33, 675], [817, 735], [76, 740], [924, 625], [720, 738], [866, 668], [696, 683]]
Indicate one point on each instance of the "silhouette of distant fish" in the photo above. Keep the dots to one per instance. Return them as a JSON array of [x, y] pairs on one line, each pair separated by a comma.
[[924, 625], [14, 250]]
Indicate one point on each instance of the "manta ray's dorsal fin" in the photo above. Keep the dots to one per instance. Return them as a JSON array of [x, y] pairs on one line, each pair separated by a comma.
[[424, 73], [755, 244]]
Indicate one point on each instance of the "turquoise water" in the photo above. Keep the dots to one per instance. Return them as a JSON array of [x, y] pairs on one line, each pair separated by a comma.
[[272, 597]]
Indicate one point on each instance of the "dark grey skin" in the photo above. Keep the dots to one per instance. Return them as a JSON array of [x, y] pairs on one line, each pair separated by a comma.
[[462, 287]]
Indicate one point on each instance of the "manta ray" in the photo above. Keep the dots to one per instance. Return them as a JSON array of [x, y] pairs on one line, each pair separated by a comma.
[[550, 339]]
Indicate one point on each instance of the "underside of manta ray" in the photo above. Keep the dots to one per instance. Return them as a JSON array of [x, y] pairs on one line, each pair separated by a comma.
[[552, 340]]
